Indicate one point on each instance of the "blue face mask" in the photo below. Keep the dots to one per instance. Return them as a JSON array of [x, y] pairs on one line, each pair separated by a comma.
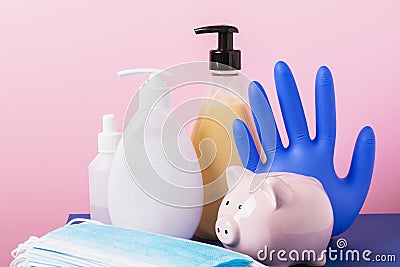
[[93, 245]]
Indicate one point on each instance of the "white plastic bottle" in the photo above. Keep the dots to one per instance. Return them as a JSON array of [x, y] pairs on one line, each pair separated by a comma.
[[99, 170], [152, 187]]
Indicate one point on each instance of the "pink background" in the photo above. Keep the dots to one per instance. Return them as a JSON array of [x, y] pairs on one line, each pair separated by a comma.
[[58, 64]]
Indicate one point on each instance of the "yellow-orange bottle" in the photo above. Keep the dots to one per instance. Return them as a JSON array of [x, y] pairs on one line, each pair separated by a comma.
[[212, 134]]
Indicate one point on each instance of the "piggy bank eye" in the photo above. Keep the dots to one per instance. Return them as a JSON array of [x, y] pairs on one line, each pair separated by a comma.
[[240, 206], [227, 203]]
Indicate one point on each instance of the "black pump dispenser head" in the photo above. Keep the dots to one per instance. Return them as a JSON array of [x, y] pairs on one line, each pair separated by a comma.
[[225, 57]]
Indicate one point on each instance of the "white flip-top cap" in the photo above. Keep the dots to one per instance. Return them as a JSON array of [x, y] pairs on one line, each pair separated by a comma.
[[109, 138], [153, 93]]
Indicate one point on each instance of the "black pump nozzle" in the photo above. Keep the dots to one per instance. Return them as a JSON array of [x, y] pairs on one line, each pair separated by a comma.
[[225, 57]]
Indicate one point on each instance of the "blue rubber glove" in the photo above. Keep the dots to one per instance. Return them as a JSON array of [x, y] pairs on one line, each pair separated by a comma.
[[303, 155]]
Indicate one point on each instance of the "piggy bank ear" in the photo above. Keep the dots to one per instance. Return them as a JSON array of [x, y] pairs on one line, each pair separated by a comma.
[[315, 182], [277, 191], [233, 175], [257, 181]]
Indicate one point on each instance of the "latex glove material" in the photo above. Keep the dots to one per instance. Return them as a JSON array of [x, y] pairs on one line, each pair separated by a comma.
[[303, 155]]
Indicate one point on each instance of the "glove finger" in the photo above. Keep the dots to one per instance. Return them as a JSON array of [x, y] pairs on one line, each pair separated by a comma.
[[257, 85], [245, 145], [362, 163], [264, 120], [325, 108], [290, 102], [355, 190]]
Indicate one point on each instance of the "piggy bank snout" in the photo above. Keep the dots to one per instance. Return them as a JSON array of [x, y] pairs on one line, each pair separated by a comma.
[[227, 230]]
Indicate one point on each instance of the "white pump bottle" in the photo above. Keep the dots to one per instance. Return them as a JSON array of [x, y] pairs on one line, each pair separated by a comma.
[[150, 189]]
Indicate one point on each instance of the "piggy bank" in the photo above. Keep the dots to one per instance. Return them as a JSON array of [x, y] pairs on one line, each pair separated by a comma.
[[286, 220]]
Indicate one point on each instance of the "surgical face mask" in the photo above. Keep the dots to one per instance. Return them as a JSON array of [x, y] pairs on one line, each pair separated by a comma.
[[95, 245]]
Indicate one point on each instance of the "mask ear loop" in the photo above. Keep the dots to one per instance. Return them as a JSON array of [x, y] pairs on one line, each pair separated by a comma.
[[22, 248], [18, 262], [18, 253], [83, 220]]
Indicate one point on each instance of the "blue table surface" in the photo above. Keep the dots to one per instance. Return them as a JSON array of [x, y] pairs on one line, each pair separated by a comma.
[[379, 233]]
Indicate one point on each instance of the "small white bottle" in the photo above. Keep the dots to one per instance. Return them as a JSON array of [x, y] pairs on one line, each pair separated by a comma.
[[99, 170]]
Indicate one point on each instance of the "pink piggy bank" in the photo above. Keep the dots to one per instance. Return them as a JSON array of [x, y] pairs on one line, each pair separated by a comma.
[[287, 220]]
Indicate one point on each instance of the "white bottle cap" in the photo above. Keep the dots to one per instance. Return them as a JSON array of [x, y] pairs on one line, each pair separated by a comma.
[[109, 138], [153, 93]]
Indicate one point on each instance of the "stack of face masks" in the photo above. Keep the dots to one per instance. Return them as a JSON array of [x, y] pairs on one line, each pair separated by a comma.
[[94, 245]]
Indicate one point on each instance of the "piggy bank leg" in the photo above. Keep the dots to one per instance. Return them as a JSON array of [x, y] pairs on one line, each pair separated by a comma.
[[321, 261]]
